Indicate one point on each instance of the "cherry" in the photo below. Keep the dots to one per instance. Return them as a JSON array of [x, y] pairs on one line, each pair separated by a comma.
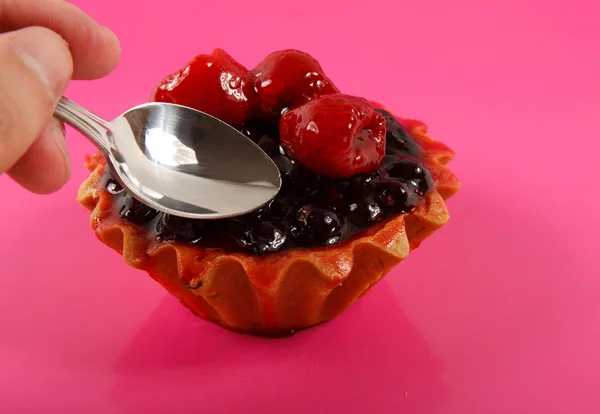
[[345, 165], [209, 83], [284, 80], [335, 135]]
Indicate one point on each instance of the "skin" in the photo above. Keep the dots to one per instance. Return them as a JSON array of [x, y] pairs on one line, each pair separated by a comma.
[[43, 45]]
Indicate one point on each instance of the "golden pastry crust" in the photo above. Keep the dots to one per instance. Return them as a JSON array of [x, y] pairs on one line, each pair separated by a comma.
[[282, 291]]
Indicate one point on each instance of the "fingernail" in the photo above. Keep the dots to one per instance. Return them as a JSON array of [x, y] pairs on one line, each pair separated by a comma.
[[58, 135], [46, 54]]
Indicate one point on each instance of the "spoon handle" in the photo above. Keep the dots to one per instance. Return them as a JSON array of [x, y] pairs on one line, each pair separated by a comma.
[[90, 125]]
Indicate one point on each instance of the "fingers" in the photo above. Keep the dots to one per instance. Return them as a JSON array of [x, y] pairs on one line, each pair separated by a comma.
[[95, 49], [35, 66], [45, 167]]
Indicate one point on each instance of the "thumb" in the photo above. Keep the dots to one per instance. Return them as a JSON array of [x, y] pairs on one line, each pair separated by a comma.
[[35, 67]]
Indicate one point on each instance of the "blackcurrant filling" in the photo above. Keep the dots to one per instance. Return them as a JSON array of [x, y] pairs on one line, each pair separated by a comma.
[[311, 210]]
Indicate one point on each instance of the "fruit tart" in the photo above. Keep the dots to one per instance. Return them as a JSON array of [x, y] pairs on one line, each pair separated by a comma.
[[362, 187]]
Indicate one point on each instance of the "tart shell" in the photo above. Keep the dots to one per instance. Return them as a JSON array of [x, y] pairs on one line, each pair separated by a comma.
[[282, 291]]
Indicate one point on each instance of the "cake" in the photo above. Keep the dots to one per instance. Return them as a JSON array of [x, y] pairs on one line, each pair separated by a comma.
[[362, 187]]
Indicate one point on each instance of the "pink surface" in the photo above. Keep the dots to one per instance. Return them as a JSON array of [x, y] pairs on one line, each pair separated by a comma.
[[498, 313]]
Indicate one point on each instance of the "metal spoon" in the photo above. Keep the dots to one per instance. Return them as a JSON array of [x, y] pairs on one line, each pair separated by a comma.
[[180, 161]]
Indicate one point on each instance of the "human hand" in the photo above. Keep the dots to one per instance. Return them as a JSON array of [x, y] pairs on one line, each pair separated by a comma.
[[43, 45]]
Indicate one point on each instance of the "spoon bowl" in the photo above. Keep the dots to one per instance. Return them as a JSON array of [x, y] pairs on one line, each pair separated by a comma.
[[180, 161]]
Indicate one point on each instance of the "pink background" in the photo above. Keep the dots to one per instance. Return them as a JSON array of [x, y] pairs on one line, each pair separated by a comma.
[[498, 313]]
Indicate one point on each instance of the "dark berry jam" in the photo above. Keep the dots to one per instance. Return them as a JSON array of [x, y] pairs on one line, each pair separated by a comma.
[[311, 210]]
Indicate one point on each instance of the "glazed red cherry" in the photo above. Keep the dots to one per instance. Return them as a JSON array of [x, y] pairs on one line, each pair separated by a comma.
[[285, 80], [209, 83], [335, 135]]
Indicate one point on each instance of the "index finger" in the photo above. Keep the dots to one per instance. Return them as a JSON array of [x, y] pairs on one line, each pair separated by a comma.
[[95, 49]]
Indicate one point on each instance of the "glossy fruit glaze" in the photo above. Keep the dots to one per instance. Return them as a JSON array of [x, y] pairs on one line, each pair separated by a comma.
[[345, 165]]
